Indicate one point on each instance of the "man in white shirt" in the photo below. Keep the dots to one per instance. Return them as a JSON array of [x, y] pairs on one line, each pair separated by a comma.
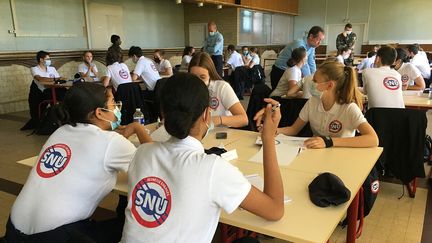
[[382, 84], [88, 69], [144, 68], [410, 75], [420, 61], [367, 62], [162, 65], [43, 74], [235, 59]]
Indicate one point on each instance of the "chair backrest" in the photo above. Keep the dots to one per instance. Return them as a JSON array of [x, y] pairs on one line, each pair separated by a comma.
[[256, 103], [130, 96], [175, 60], [401, 133], [290, 110]]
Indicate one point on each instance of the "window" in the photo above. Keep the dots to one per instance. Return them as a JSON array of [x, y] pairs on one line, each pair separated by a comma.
[[246, 21]]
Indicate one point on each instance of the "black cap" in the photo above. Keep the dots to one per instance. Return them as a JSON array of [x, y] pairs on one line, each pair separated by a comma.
[[328, 189]]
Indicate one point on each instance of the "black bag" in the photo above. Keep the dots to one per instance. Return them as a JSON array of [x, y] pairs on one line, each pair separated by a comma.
[[427, 153], [48, 124]]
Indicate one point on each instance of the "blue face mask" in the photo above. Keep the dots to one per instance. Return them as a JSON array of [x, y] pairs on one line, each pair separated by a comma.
[[117, 113], [245, 53], [47, 62]]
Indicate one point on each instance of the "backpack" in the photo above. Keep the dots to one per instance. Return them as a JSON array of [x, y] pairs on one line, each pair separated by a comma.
[[48, 123], [427, 152]]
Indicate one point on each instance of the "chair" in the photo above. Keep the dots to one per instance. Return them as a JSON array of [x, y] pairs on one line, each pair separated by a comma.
[[402, 134], [256, 103], [290, 110], [130, 96]]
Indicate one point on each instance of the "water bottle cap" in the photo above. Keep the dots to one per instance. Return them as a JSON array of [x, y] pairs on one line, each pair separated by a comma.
[[138, 109]]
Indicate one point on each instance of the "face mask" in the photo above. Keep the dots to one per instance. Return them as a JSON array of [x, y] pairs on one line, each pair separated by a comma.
[[47, 62], [117, 113], [209, 128], [157, 60], [349, 32], [345, 56], [245, 53], [211, 33], [315, 92]]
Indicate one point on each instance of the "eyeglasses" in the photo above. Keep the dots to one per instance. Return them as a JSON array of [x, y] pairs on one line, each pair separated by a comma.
[[117, 104]]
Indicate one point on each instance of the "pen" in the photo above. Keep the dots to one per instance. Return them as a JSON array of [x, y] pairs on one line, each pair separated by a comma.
[[275, 107]]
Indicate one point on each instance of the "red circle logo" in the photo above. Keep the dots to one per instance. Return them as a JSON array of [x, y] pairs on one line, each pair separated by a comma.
[[53, 160], [123, 74], [335, 126], [214, 103], [153, 67], [375, 187], [404, 78], [391, 83], [151, 202]]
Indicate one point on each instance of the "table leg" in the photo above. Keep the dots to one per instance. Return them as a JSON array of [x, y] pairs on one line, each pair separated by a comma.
[[54, 95], [352, 219]]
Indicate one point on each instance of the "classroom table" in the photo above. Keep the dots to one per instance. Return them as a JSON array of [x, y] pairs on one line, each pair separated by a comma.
[[53, 88], [302, 221], [417, 100]]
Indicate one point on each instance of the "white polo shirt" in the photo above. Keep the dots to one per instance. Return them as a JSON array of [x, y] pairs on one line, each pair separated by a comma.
[[366, 63], [163, 65], [235, 60], [408, 73], [119, 74], [176, 192], [291, 73], [83, 68], [306, 84], [76, 168], [255, 59], [340, 59], [222, 97], [148, 72], [383, 87], [339, 121], [184, 66], [50, 73], [422, 63]]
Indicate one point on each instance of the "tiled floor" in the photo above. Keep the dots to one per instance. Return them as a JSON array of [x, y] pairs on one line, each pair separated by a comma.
[[391, 220]]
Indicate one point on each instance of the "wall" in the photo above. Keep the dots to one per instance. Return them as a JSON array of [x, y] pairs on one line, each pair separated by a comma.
[[387, 21], [225, 18]]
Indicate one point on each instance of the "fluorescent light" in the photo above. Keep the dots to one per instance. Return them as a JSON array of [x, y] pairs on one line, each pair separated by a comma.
[[200, 4], [219, 6], [178, 1]]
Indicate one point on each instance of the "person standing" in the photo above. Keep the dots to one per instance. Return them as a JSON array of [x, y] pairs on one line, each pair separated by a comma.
[[310, 42], [213, 45], [347, 39]]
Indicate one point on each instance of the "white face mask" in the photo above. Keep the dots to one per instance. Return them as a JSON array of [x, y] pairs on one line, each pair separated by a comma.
[[315, 92], [346, 56], [211, 33], [349, 32], [209, 128]]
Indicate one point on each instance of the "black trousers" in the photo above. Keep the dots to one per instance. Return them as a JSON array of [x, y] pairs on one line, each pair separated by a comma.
[[218, 62], [275, 75]]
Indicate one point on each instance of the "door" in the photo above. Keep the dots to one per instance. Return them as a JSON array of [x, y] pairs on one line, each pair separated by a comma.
[[105, 20], [197, 34], [333, 30]]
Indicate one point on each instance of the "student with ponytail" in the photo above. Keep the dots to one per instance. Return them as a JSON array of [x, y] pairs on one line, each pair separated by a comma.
[[336, 114], [76, 168], [292, 74]]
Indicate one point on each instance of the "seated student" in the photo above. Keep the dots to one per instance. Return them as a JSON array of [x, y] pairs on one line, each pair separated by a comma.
[[193, 186], [343, 54], [382, 84], [420, 61], [255, 60], [336, 115], [234, 58], [410, 75], [144, 68], [88, 69], [117, 72], [162, 65], [43, 74], [188, 52], [368, 62], [76, 168], [226, 108], [245, 55], [292, 74]]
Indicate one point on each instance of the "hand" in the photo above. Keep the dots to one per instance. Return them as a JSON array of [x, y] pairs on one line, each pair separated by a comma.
[[260, 114], [271, 122], [315, 143], [128, 130]]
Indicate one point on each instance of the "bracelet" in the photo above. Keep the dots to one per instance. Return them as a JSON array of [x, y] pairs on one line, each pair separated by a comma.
[[220, 118], [328, 141]]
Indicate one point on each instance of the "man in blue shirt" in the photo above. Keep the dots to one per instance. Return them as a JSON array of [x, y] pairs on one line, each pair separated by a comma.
[[213, 45], [312, 41]]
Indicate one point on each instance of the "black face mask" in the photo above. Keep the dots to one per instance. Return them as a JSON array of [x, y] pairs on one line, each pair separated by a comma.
[[157, 60]]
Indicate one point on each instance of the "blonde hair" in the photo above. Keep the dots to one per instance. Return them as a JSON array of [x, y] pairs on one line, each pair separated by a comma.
[[204, 60], [346, 82]]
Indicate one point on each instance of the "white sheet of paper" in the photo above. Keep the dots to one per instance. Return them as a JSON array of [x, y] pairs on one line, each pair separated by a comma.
[[258, 182], [160, 135], [287, 149]]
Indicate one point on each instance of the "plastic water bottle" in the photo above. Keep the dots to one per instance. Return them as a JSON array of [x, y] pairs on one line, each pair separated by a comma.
[[430, 91], [138, 116]]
